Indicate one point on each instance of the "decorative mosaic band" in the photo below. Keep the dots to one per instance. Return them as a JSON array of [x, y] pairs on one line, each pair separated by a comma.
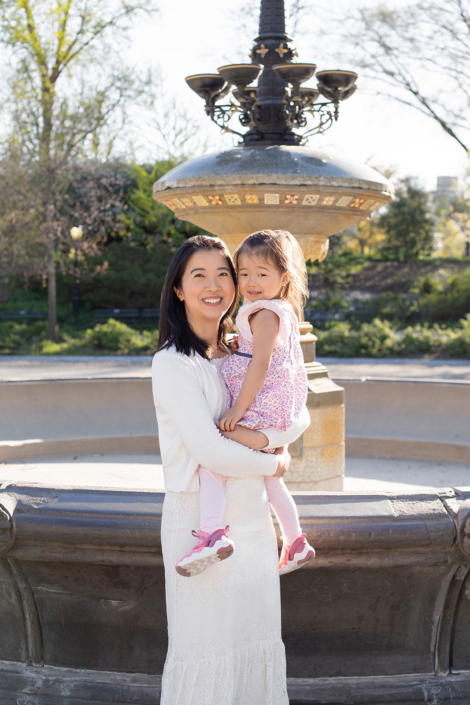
[[273, 199]]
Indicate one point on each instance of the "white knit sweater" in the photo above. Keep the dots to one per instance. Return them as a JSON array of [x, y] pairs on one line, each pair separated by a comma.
[[188, 401]]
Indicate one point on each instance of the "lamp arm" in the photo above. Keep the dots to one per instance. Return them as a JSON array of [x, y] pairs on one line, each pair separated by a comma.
[[325, 121], [221, 114]]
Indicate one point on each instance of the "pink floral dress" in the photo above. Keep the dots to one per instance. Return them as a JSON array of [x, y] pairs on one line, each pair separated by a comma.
[[284, 391]]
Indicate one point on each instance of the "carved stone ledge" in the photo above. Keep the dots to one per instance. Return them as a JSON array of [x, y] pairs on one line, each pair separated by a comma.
[[7, 529], [463, 526]]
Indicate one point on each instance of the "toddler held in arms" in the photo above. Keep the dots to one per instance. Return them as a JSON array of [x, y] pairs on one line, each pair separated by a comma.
[[267, 390]]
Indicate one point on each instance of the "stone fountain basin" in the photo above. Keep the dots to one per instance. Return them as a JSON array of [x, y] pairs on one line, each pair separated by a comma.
[[380, 617], [384, 417], [311, 193]]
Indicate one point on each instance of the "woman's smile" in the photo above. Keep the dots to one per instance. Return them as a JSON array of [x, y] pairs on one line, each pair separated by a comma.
[[213, 300]]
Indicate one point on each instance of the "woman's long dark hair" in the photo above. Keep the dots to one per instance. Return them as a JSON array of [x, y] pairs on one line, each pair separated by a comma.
[[174, 327]]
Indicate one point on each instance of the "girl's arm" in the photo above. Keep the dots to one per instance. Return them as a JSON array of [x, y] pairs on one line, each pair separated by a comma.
[[264, 326]]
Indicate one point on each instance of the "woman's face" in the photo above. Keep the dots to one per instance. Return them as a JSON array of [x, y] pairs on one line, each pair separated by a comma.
[[207, 287]]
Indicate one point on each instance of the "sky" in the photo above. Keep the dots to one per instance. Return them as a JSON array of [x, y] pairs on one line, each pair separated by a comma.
[[198, 36]]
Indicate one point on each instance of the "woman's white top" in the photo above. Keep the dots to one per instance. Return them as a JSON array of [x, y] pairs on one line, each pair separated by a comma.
[[189, 398], [217, 362]]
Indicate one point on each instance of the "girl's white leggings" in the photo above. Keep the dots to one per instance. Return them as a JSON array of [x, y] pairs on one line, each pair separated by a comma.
[[212, 504]]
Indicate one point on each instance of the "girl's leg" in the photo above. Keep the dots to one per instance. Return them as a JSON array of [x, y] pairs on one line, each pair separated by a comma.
[[211, 500], [212, 544], [286, 511]]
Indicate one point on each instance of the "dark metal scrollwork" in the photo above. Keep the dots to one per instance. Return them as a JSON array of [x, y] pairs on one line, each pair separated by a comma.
[[291, 115]]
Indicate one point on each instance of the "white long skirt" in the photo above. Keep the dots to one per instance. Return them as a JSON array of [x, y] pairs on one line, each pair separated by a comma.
[[224, 625]]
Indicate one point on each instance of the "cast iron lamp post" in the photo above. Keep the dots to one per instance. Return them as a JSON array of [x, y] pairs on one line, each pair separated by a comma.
[[279, 103], [76, 234]]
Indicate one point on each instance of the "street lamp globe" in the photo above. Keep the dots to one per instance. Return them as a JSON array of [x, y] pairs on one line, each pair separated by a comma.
[[76, 233]]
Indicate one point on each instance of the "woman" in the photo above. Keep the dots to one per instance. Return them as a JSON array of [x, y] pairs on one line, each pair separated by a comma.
[[224, 625]]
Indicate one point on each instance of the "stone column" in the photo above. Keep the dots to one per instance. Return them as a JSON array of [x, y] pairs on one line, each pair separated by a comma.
[[318, 457]]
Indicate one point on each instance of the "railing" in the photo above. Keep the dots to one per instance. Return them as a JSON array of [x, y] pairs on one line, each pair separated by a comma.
[[22, 315], [123, 314]]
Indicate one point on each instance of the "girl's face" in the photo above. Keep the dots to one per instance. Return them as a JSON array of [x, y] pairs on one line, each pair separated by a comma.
[[259, 278], [207, 287]]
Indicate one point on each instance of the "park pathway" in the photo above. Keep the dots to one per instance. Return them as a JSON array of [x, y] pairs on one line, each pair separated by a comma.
[[21, 368]]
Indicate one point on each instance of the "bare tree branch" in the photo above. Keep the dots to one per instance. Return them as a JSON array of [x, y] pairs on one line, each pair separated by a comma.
[[421, 52]]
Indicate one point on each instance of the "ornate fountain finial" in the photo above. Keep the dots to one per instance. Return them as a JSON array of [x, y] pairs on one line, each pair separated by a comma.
[[273, 109]]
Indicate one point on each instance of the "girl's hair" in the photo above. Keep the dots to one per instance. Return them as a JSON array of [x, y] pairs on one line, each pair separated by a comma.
[[280, 248], [174, 327]]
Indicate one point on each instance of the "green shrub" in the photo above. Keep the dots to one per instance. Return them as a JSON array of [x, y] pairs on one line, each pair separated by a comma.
[[459, 345], [116, 336], [419, 339], [377, 339], [338, 340], [380, 339], [110, 337], [445, 298], [17, 338]]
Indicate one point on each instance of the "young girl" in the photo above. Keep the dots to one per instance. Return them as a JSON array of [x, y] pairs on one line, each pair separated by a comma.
[[267, 390]]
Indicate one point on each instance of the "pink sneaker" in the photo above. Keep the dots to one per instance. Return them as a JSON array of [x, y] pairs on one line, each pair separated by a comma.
[[295, 556], [209, 549]]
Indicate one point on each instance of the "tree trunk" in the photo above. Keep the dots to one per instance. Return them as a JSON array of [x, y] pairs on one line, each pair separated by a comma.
[[5, 289], [51, 279]]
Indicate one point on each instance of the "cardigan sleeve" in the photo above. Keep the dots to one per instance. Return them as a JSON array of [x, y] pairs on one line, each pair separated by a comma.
[[283, 438], [177, 390]]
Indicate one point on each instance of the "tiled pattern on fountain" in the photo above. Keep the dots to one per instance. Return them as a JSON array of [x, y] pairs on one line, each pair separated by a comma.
[[274, 199]]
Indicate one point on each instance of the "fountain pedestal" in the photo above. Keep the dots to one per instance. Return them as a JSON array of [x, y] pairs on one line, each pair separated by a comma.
[[318, 457]]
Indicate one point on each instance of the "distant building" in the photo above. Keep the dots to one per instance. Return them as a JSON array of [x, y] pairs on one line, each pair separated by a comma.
[[447, 190], [452, 237]]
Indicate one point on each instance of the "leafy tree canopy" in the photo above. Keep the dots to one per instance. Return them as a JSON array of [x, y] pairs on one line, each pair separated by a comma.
[[409, 223], [147, 221]]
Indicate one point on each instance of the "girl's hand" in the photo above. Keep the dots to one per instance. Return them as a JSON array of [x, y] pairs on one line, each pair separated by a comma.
[[230, 419], [283, 460], [233, 345]]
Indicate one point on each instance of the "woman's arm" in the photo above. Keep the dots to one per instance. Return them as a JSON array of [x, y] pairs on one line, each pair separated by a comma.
[[265, 326], [179, 393], [283, 438], [265, 438]]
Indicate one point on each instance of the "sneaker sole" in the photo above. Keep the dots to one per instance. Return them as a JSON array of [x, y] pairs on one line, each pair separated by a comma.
[[199, 566], [290, 567]]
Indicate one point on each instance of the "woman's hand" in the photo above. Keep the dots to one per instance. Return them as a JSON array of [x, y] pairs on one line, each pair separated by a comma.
[[230, 419], [283, 460]]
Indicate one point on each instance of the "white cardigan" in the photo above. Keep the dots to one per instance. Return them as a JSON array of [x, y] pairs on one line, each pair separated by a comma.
[[188, 402]]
